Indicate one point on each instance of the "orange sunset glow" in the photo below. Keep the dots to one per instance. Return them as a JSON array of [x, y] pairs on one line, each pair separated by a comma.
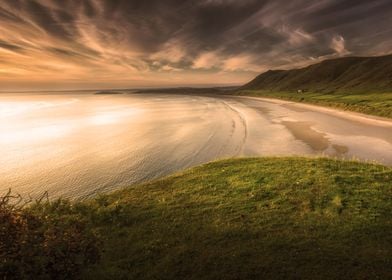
[[195, 139], [48, 44]]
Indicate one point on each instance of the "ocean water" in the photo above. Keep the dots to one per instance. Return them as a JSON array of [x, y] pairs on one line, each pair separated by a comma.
[[76, 145]]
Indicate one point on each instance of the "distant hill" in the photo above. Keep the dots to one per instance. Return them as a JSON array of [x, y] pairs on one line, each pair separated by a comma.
[[348, 74]]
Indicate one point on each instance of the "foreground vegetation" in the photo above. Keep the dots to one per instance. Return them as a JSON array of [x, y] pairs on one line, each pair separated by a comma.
[[260, 218], [45, 241], [378, 104]]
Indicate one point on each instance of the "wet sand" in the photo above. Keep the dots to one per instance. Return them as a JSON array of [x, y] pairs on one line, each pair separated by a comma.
[[326, 131], [303, 131]]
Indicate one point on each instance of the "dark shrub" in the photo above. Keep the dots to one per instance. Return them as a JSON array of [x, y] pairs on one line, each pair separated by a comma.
[[45, 241]]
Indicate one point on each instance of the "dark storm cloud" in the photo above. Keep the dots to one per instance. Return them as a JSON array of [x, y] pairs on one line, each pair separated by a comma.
[[53, 22], [11, 47], [192, 36]]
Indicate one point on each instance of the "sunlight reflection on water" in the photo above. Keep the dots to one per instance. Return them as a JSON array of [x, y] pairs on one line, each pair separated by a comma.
[[77, 145]]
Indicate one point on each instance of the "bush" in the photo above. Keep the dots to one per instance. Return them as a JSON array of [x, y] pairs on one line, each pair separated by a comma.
[[45, 240]]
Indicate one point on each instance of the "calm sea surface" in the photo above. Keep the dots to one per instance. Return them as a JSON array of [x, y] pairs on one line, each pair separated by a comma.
[[80, 144]]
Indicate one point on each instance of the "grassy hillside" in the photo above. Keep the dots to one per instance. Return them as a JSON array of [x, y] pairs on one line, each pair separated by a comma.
[[252, 218], [344, 75], [261, 218]]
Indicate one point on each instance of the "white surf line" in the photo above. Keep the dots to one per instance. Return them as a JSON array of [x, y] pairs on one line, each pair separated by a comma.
[[242, 119]]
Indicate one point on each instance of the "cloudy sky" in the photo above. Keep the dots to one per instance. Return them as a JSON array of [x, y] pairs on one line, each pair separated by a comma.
[[65, 44]]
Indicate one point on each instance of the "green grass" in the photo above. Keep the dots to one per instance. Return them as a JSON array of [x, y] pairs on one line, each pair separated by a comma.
[[255, 218], [258, 218], [378, 104]]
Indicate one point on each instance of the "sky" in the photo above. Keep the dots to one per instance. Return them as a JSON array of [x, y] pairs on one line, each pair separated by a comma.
[[98, 44]]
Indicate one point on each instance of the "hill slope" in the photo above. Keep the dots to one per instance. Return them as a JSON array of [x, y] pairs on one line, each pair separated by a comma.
[[349, 74], [257, 218], [250, 219]]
